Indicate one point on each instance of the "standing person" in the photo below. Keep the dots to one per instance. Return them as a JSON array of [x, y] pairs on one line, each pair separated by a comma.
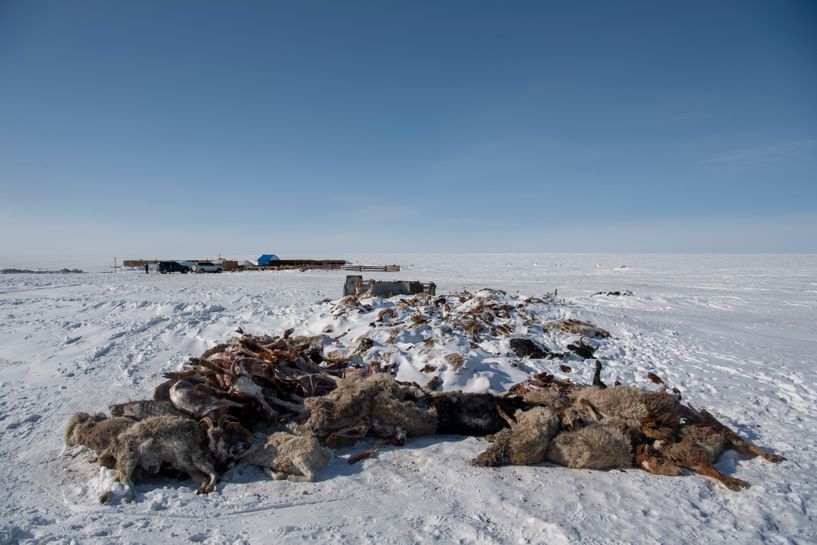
[[146, 268]]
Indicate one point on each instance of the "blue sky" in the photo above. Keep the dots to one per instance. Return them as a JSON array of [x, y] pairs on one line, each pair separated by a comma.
[[311, 127]]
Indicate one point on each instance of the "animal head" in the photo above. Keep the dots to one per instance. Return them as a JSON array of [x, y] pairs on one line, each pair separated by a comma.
[[574, 418], [76, 424], [536, 418], [229, 439]]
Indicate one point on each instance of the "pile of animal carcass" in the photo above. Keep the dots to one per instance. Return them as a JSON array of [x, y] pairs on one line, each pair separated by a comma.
[[397, 368]]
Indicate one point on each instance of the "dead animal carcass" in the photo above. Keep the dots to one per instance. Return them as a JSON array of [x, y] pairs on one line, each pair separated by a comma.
[[178, 441], [376, 404]]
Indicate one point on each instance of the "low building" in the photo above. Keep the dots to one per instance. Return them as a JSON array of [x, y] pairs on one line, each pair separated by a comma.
[[267, 260]]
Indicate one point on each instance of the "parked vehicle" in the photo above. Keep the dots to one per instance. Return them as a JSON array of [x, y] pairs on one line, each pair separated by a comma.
[[166, 267], [207, 267]]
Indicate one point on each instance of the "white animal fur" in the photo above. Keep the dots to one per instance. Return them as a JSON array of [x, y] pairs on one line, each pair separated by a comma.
[[178, 441], [283, 455]]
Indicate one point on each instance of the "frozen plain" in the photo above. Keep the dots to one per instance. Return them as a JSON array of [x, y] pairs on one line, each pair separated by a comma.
[[737, 334]]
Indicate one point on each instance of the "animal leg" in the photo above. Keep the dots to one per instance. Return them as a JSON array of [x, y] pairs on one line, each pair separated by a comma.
[[511, 422], [124, 471], [709, 470], [307, 475], [736, 441], [275, 475], [203, 467], [647, 459], [212, 478], [747, 447], [597, 377]]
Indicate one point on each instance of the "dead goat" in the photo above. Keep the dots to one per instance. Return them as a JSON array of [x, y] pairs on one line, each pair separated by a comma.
[[733, 440], [177, 441], [461, 413], [228, 439]]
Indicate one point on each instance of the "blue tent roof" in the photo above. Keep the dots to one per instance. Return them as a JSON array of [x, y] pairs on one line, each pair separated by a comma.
[[267, 258]]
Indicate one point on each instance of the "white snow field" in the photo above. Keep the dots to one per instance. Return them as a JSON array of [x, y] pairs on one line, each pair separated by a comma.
[[737, 334]]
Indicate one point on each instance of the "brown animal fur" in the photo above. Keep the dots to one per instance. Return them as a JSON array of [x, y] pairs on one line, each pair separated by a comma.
[[697, 450], [416, 420], [548, 397], [162, 391], [97, 432], [361, 401], [525, 442], [597, 446], [630, 404], [704, 418], [228, 440], [346, 406], [651, 461]]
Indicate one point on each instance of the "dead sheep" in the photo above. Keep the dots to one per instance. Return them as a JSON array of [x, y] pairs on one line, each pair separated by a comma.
[[283, 455], [548, 397], [597, 446], [633, 405], [144, 408], [97, 432], [526, 441], [604, 425], [348, 405], [667, 436], [177, 441], [577, 327], [388, 411], [377, 402]]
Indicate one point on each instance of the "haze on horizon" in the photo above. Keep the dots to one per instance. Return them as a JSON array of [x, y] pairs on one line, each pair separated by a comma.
[[192, 128]]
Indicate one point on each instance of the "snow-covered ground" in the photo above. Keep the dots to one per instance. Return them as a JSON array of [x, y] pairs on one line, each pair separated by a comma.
[[736, 334]]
